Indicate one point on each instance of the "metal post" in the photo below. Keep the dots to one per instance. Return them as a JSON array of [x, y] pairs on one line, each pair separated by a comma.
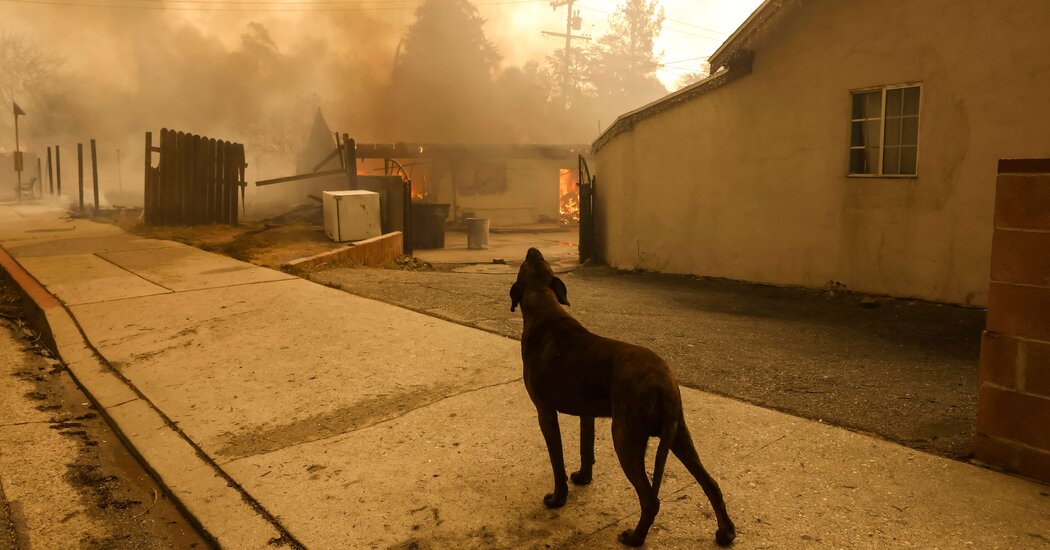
[[94, 174], [18, 152], [350, 165], [50, 174], [149, 207], [80, 173], [58, 169]]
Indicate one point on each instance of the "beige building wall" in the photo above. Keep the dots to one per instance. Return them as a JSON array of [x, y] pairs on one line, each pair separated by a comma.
[[748, 181]]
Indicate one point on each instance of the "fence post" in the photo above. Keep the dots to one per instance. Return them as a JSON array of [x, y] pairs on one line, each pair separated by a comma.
[[80, 173], [147, 182], [94, 175], [58, 169], [50, 174], [350, 165]]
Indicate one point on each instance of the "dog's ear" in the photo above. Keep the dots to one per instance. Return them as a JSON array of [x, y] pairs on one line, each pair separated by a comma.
[[559, 291], [515, 295]]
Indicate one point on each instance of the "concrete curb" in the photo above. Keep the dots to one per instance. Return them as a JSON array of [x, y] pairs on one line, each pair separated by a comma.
[[373, 252], [224, 513]]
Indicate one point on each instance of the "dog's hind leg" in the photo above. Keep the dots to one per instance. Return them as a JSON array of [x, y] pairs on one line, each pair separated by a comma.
[[630, 443], [685, 451], [552, 435], [583, 476]]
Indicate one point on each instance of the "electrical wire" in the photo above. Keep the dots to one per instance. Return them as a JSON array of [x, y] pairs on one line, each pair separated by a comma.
[[264, 7]]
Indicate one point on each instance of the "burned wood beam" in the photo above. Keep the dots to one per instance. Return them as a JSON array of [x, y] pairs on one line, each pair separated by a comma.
[[298, 177]]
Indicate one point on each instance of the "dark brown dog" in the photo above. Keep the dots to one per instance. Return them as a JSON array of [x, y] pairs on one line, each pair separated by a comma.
[[571, 371]]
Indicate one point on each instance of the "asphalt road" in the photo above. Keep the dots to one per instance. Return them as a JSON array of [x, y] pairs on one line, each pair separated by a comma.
[[900, 369]]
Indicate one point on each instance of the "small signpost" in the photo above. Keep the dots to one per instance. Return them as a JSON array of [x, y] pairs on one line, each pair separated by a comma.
[[18, 152]]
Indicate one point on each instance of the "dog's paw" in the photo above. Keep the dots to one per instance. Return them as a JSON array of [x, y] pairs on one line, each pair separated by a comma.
[[554, 500], [628, 538], [580, 478], [724, 537]]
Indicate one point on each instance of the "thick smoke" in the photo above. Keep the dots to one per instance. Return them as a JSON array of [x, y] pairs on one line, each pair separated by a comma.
[[257, 78]]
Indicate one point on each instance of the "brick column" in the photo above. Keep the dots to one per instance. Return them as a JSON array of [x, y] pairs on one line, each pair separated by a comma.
[[1013, 417]]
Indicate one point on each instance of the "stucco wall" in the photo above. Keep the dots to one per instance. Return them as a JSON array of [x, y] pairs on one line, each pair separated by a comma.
[[748, 181]]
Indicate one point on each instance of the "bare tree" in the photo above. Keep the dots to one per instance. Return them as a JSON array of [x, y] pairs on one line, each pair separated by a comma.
[[25, 73]]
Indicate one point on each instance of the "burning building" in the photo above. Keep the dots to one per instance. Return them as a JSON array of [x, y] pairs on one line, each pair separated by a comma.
[[508, 184]]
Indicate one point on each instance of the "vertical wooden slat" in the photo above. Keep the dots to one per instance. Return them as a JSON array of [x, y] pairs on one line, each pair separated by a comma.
[[171, 171], [236, 187], [217, 167], [207, 176], [183, 179], [219, 188]]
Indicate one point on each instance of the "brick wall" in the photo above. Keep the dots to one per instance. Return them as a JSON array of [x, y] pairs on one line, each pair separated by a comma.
[[1013, 417]]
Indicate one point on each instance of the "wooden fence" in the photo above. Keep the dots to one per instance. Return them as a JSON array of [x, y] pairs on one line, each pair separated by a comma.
[[196, 180]]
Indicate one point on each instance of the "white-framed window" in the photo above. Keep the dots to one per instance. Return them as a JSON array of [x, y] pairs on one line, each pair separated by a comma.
[[884, 131]]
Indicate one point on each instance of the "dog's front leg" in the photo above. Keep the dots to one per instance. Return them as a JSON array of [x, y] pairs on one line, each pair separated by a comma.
[[552, 435], [583, 476]]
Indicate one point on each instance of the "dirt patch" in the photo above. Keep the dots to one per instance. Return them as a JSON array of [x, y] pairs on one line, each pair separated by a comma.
[[117, 495], [269, 243]]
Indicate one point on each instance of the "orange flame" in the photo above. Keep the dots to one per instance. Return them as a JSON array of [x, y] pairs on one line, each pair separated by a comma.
[[569, 198]]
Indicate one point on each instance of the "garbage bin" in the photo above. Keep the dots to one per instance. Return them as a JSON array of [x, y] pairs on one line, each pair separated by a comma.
[[428, 225], [477, 233]]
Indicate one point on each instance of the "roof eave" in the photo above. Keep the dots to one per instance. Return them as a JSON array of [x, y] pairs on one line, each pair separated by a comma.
[[732, 44]]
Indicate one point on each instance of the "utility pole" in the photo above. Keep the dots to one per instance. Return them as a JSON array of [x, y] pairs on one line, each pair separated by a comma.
[[573, 21]]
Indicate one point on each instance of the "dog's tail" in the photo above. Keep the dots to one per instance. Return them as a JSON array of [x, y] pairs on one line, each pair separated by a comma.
[[667, 435]]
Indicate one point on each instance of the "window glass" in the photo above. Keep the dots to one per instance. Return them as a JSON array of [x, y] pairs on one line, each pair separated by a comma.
[[910, 130], [893, 102], [891, 160], [911, 101], [884, 131], [893, 130], [908, 158]]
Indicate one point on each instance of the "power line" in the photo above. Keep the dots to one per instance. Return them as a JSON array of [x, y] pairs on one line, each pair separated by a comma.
[[264, 7]]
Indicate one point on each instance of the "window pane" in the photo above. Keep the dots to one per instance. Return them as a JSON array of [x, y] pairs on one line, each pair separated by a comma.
[[867, 105], [893, 131], [891, 161], [893, 102], [858, 106], [909, 130], [856, 161], [908, 155], [911, 101], [863, 161], [872, 132], [856, 134], [874, 104]]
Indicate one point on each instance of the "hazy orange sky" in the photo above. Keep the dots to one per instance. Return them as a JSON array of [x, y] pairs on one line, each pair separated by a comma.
[[693, 29]]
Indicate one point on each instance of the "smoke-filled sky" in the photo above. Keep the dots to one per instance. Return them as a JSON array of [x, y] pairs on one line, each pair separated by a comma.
[[82, 30], [255, 70]]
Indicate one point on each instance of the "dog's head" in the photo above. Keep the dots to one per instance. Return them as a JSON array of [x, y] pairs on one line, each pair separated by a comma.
[[536, 274]]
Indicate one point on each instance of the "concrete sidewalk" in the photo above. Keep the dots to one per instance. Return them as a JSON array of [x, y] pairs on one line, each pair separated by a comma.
[[279, 411]]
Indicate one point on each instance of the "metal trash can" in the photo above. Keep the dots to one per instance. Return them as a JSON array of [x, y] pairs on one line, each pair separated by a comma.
[[477, 233], [428, 225]]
